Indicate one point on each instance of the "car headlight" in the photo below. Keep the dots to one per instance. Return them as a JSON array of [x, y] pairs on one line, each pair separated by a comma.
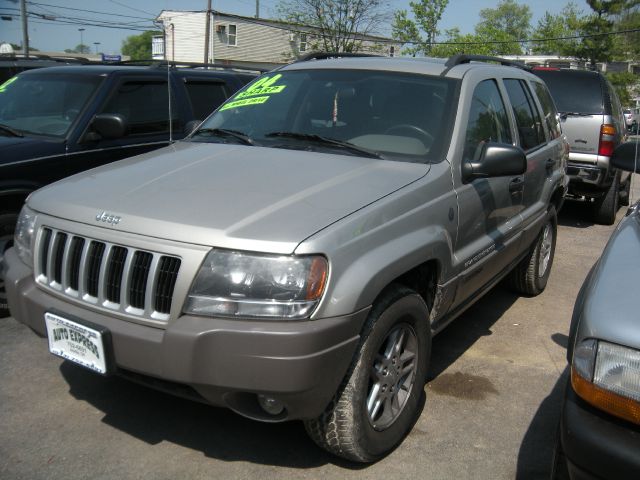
[[607, 376], [241, 284], [23, 236]]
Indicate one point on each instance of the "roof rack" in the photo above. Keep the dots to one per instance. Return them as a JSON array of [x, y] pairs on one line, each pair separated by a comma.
[[328, 55], [171, 64], [464, 58], [36, 56]]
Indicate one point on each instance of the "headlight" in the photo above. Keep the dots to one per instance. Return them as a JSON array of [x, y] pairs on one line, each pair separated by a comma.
[[240, 284], [608, 377], [23, 237]]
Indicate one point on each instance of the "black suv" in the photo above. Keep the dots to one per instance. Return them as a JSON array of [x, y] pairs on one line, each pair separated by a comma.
[[592, 120], [58, 121]]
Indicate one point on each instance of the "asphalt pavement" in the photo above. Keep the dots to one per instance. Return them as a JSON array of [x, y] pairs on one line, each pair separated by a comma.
[[490, 411]]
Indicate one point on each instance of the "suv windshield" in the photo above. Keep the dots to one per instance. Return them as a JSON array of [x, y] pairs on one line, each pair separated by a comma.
[[376, 114], [44, 104]]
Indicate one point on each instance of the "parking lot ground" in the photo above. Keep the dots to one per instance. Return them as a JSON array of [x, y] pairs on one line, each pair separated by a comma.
[[491, 403]]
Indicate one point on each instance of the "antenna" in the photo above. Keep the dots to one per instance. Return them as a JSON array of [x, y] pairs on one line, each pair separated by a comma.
[[169, 100]]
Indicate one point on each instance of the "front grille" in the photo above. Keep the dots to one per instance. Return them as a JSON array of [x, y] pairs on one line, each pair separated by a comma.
[[125, 279]]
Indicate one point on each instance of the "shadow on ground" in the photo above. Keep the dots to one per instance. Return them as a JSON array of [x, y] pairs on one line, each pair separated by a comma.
[[154, 417], [576, 214]]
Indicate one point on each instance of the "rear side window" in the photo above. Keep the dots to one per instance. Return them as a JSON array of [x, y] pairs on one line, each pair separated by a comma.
[[574, 92], [528, 120], [488, 121], [549, 110], [205, 97], [145, 107]]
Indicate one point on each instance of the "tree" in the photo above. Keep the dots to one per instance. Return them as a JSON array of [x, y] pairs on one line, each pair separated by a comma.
[[567, 24], [623, 82], [138, 47], [598, 44], [427, 14], [339, 22], [508, 21], [80, 48]]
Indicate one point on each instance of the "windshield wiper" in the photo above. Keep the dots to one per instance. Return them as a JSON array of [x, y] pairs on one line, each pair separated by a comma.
[[10, 131], [327, 141], [223, 132]]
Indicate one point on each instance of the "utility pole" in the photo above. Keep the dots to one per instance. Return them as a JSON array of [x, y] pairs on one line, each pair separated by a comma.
[[25, 31], [206, 33], [257, 8]]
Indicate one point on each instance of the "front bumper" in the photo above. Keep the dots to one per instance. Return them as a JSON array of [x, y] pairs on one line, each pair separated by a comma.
[[596, 444], [227, 362]]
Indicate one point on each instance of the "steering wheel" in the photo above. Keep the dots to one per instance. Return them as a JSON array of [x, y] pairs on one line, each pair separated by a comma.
[[411, 130]]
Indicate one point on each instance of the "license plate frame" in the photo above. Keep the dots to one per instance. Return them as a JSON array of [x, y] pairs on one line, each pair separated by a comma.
[[79, 341]]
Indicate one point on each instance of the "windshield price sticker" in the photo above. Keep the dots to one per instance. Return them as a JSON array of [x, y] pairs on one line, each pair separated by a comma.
[[75, 342], [257, 93]]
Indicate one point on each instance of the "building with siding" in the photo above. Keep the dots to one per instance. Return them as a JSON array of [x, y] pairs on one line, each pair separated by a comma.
[[253, 42]]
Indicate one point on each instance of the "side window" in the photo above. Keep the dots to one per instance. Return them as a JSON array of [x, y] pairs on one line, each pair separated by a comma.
[[205, 97], [548, 107], [488, 121], [144, 105], [232, 36], [528, 120]]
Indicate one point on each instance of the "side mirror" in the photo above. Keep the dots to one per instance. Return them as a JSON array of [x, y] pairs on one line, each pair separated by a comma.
[[191, 126], [109, 125], [495, 160], [624, 157]]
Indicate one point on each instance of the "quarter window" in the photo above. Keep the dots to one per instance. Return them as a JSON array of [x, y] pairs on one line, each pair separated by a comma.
[[205, 97], [488, 121], [528, 121], [548, 107]]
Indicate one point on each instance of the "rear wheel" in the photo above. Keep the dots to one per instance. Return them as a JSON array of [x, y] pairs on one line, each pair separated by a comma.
[[606, 207], [378, 401], [531, 275], [7, 227], [625, 192]]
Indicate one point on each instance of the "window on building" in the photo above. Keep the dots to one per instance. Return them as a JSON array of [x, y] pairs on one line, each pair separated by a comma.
[[303, 42], [232, 35], [392, 51]]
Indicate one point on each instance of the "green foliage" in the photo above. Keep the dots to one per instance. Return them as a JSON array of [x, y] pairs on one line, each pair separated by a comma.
[[624, 83], [508, 21], [598, 46], [567, 24], [339, 22], [80, 48], [138, 47], [427, 14]]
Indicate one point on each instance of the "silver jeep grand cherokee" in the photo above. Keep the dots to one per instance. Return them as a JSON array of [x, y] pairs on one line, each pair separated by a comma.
[[294, 257]]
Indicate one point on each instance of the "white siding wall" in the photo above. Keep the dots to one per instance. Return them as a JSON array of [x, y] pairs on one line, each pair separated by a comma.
[[254, 42]]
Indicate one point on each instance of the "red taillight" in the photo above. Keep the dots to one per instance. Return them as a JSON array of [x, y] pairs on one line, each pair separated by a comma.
[[607, 140]]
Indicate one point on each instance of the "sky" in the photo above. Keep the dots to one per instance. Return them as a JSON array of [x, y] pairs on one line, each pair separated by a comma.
[[46, 35]]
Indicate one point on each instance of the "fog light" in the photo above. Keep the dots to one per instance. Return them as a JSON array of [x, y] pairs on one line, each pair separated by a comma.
[[270, 405]]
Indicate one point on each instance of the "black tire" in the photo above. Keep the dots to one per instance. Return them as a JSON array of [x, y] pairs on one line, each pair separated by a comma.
[[531, 275], [7, 227], [625, 192], [347, 428], [606, 207]]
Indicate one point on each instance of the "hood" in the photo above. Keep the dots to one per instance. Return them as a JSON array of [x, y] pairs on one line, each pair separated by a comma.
[[229, 196], [24, 148]]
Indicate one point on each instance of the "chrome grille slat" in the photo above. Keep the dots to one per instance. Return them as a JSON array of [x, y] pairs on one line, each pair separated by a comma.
[[120, 278]]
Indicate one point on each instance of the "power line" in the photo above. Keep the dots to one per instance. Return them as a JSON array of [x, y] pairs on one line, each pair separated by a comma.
[[90, 11], [130, 8]]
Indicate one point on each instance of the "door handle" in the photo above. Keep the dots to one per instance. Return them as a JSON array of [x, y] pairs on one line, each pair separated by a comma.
[[516, 185], [550, 164]]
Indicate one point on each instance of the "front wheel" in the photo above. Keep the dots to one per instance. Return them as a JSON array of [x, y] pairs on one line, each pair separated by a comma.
[[531, 275], [378, 401]]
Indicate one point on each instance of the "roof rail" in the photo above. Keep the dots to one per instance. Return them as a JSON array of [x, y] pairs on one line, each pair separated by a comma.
[[328, 55], [172, 64], [464, 58], [36, 56]]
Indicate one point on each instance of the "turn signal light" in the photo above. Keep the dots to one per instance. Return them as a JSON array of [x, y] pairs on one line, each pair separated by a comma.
[[610, 402], [607, 140]]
